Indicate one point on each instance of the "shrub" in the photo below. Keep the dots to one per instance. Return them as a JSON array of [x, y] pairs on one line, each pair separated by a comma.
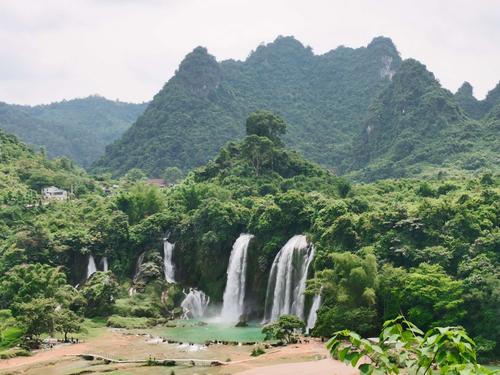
[[403, 346], [257, 351], [117, 321], [285, 329]]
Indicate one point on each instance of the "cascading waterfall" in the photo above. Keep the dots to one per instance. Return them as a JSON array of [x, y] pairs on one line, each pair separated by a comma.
[[140, 259], [194, 304], [104, 264], [168, 249], [313, 313], [287, 280], [234, 294], [138, 264], [91, 268]]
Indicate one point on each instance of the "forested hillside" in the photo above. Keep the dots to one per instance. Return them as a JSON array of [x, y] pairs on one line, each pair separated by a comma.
[[415, 126], [78, 128], [357, 111], [427, 249], [322, 97]]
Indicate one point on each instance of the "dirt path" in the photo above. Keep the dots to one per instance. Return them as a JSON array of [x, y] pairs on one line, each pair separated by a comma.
[[322, 367], [304, 359], [45, 355]]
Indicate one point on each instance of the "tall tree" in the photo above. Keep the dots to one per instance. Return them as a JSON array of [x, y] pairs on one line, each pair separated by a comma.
[[266, 124]]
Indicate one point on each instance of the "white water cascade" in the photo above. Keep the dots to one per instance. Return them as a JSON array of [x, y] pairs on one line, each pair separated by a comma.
[[194, 304], [234, 294], [91, 268], [168, 265], [104, 264], [140, 259], [138, 264], [313, 313], [287, 280]]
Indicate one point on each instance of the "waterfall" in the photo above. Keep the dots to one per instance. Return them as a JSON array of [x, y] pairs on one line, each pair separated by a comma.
[[140, 259], [313, 313], [287, 280], [91, 268], [104, 264], [234, 294], [194, 304], [168, 249], [138, 264]]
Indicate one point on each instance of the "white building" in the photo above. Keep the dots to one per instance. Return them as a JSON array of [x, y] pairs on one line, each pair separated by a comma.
[[54, 193]]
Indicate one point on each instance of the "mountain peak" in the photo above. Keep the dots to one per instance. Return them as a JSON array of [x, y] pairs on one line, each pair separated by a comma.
[[466, 100], [382, 42], [414, 76], [466, 90], [283, 47], [199, 72], [288, 41], [493, 96]]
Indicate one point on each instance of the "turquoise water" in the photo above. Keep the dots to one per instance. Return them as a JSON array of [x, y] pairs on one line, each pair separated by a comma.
[[190, 331]]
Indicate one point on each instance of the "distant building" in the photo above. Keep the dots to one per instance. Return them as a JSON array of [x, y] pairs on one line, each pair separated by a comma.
[[54, 193], [109, 189], [160, 182]]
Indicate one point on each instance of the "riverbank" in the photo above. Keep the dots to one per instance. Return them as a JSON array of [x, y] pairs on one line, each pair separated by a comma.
[[132, 345]]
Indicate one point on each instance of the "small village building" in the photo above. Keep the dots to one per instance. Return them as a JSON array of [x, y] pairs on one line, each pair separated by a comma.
[[54, 193]]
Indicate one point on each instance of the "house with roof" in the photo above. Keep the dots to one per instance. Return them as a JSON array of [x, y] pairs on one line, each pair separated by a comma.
[[54, 193]]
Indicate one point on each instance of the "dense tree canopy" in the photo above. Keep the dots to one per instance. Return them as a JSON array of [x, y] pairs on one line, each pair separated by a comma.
[[266, 124], [323, 98], [426, 248], [78, 129]]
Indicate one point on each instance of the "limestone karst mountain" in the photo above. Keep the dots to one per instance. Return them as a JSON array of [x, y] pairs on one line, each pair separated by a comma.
[[323, 98]]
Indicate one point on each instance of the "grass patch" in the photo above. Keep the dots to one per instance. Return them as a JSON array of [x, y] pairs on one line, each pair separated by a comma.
[[11, 337], [137, 306], [91, 328], [492, 367], [117, 321], [14, 352]]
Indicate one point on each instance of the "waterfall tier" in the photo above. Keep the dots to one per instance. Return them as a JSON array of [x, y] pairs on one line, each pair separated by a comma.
[[234, 295], [138, 264], [287, 280], [104, 264], [168, 265], [91, 268], [313, 313], [194, 304]]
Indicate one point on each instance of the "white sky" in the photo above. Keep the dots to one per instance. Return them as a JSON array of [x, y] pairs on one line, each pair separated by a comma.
[[127, 49]]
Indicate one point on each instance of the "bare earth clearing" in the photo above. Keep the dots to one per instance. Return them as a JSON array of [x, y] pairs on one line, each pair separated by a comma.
[[311, 358]]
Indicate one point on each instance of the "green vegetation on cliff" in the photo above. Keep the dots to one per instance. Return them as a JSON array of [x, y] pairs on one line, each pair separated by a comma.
[[424, 248], [415, 126], [323, 98], [361, 112]]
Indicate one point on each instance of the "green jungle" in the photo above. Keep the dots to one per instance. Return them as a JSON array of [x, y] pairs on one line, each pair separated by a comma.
[[385, 205]]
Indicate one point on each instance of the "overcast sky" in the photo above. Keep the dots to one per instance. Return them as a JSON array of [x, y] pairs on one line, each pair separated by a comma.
[[127, 49]]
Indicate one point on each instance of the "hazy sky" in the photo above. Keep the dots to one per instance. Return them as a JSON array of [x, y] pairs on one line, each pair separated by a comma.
[[127, 49]]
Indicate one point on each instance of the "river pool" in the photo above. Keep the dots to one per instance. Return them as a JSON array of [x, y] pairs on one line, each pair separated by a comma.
[[192, 331]]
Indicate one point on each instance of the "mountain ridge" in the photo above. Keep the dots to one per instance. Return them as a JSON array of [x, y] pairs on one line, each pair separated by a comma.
[[77, 128], [322, 97]]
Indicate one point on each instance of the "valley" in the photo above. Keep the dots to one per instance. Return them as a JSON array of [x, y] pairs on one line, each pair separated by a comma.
[[289, 212]]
